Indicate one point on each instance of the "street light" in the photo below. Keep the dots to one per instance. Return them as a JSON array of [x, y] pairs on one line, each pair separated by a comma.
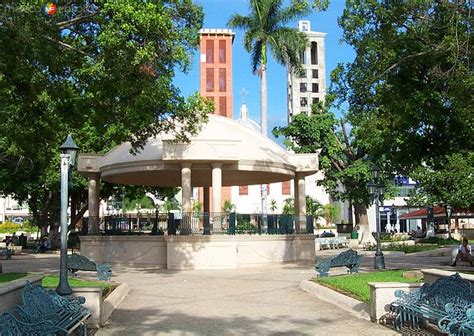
[[376, 190], [68, 157], [449, 211]]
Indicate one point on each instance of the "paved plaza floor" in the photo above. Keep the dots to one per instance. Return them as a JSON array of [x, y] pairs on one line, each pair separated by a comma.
[[252, 301]]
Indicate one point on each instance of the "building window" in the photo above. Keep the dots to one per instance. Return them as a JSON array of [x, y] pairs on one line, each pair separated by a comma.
[[303, 87], [315, 87], [209, 80], [314, 53], [303, 101], [243, 190], [222, 80], [315, 73], [222, 51], [209, 51], [303, 57], [286, 188], [222, 106], [315, 100], [304, 26]]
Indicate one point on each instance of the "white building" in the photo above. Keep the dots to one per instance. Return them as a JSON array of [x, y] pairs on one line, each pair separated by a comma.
[[310, 87]]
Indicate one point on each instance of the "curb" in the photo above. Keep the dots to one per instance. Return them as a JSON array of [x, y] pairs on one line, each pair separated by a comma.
[[355, 307], [113, 301]]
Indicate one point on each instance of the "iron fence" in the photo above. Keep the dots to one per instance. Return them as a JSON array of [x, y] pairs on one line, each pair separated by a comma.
[[202, 223]]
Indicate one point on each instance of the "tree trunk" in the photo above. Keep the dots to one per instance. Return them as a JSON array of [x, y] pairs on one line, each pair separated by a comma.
[[365, 236], [263, 98]]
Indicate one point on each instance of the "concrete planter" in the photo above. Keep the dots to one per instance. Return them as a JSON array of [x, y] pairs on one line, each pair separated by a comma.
[[383, 293], [10, 292], [101, 309]]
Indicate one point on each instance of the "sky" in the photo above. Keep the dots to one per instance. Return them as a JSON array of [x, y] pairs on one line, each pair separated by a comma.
[[216, 15]]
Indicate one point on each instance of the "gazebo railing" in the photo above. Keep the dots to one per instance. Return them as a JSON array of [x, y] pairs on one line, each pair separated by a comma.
[[202, 223]]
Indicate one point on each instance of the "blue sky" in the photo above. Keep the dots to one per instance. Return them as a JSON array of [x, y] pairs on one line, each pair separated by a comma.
[[218, 12]]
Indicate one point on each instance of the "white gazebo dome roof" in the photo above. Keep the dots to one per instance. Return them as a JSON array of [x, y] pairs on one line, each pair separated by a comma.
[[247, 157]]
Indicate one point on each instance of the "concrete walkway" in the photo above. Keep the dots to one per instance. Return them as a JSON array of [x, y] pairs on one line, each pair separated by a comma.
[[254, 301], [258, 301]]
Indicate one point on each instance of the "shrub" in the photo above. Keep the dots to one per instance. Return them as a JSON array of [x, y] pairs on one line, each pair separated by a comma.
[[9, 227]]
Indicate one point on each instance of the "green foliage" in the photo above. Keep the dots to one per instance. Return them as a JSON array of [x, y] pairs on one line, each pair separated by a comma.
[[356, 285], [245, 227], [410, 88], [170, 204], [197, 207], [143, 202], [273, 205], [314, 208], [101, 70], [439, 241], [6, 277], [288, 206], [53, 281], [9, 227], [408, 248], [452, 184], [228, 206]]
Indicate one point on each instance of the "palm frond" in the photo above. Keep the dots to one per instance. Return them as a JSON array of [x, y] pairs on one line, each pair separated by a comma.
[[257, 57]]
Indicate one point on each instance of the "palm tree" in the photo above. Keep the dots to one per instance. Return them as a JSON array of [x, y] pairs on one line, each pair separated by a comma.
[[265, 29]]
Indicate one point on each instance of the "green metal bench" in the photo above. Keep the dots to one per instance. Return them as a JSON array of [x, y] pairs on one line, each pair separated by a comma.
[[11, 326], [349, 258], [466, 327], [443, 303], [77, 262], [40, 304]]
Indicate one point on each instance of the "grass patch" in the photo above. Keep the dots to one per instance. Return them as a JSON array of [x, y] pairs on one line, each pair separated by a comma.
[[107, 287], [6, 277], [440, 241], [356, 285], [407, 248]]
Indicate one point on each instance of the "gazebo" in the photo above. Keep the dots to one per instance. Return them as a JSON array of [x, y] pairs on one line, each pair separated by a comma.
[[223, 153]]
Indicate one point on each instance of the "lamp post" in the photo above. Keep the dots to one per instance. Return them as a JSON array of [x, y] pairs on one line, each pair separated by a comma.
[[68, 157], [376, 190], [449, 211]]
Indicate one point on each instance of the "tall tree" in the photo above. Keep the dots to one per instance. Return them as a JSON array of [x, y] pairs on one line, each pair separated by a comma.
[[410, 87], [344, 164], [265, 29], [101, 70]]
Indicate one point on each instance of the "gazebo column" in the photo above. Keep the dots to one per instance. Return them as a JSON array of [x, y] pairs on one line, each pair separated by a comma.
[[216, 195], [300, 204], [93, 203], [186, 194], [186, 190]]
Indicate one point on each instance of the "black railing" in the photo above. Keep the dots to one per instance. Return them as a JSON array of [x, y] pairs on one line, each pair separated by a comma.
[[204, 224]]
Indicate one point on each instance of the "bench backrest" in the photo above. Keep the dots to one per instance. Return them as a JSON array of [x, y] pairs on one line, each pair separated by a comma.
[[452, 289], [349, 257], [38, 301], [78, 261]]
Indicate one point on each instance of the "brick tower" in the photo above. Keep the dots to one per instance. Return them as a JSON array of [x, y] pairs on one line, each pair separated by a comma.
[[216, 83]]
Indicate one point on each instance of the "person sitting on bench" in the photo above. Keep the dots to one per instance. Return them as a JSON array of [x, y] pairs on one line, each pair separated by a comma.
[[464, 253]]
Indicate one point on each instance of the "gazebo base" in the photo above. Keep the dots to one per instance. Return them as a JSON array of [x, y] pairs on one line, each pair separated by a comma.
[[199, 252]]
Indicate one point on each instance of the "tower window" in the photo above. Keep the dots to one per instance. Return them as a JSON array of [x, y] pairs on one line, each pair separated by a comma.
[[209, 51], [222, 80], [315, 100], [222, 106], [303, 57], [222, 55], [285, 188], [303, 87], [209, 80], [314, 53], [303, 101], [315, 87], [243, 190], [315, 73]]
